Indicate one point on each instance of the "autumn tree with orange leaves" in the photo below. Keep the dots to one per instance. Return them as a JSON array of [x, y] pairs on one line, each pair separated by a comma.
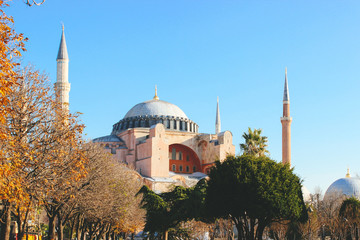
[[107, 204], [11, 46], [43, 150], [28, 124]]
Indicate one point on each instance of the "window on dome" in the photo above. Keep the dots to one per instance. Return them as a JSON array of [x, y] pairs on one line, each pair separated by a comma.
[[181, 125], [168, 124], [173, 154], [194, 168], [187, 158], [180, 168], [187, 169], [173, 167], [180, 155]]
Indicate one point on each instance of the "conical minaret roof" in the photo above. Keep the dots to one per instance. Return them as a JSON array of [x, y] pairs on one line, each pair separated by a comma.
[[217, 121], [286, 89], [62, 54]]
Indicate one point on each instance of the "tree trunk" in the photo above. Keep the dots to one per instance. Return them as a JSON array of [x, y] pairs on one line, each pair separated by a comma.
[[21, 228], [166, 233], [51, 227], [60, 230], [71, 231], [6, 221], [260, 231]]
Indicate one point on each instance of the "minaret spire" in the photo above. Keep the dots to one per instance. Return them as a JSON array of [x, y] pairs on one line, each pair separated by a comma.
[[286, 89], [217, 121], [286, 125], [62, 85]]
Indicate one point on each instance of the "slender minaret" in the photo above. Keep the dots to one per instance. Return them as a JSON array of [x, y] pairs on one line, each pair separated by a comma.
[[62, 85], [217, 121], [286, 123]]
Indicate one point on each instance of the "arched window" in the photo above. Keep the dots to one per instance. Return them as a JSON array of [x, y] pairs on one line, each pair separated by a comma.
[[194, 168], [180, 155], [173, 167], [187, 169], [173, 154], [113, 150], [187, 158], [180, 168]]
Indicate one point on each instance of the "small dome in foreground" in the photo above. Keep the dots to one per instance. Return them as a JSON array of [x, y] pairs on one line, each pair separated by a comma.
[[348, 186]]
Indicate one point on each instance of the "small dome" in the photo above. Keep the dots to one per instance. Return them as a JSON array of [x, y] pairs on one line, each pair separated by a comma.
[[306, 194], [155, 108], [347, 186]]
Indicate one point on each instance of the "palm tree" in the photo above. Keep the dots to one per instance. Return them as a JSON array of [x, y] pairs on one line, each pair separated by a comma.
[[255, 144]]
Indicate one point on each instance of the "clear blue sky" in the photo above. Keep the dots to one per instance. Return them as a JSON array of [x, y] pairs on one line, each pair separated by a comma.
[[198, 50]]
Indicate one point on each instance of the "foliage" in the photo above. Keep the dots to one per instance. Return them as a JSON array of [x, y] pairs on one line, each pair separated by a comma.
[[11, 45], [107, 203], [34, 2], [350, 213], [255, 144], [167, 210], [254, 192]]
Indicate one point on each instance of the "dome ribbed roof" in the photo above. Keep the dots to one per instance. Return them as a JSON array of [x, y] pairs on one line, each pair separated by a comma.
[[155, 107], [345, 186]]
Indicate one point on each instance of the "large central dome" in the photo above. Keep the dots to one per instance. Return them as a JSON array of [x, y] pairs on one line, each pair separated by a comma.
[[149, 113], [155, 108]]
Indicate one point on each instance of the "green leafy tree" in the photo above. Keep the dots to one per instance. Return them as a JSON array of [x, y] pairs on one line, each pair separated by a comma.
[[255, 144], [350, 214], [254, 192], [165, 211]]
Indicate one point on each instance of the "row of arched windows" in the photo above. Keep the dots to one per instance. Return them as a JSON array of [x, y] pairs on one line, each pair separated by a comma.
[[187, 168], [168, 123]]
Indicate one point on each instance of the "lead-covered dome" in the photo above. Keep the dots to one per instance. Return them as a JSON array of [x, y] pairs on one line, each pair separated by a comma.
[[149, 113], [155, 108], [348, 186]]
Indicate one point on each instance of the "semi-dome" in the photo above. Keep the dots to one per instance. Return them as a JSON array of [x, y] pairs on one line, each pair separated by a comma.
[[155, 108], [348, 186], [149, 113]]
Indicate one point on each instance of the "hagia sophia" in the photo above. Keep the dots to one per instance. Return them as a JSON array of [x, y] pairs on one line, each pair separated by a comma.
[[160, 141]]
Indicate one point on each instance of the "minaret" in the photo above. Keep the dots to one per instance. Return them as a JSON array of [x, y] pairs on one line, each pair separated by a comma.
[[286, 123], [217, 121], [62, 85]]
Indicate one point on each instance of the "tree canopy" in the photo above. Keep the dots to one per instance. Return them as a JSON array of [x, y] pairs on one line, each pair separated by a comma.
[[255, 144], [254, 192], [168, 209]]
